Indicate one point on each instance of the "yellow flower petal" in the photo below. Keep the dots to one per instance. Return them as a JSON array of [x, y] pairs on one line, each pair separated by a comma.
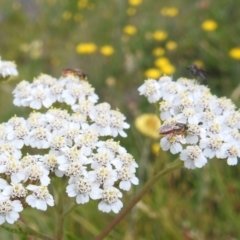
[[171, 45], [155, 148], [168, 69], [169, 12], [235, 53], [152, 73], [160, 35], [130, 30], [86, 48], [148, 125], [134, 2], [162, 61], [209, 25], [107, 50], [158, 51]]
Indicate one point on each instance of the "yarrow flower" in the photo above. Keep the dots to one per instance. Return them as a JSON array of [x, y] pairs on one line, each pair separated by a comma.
[[7, 69], [196, 124], [78, 145]]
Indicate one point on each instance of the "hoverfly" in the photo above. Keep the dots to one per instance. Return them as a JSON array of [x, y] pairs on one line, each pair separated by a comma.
[[197, 72], [75, 72], [174, 129]]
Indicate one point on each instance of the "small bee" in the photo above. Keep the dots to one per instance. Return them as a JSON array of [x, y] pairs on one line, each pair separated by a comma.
[[174, 129], [75, 72], [197, 72]]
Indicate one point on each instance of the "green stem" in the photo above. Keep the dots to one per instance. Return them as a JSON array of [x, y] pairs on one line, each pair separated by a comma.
[[29, 231], [60, 217], [70, 210], [175, 165]]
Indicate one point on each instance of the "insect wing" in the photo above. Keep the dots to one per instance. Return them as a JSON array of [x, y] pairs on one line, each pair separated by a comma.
[[202, 74], [166, 129]]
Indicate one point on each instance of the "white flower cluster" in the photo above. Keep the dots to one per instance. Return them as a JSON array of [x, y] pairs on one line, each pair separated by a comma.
[[7, 69], [196, 124], [77, 145]]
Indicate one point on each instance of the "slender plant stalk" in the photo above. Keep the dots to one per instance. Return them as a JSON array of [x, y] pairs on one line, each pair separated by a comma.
[[30, 231], [68, 211], [175, 165], [60, 217]]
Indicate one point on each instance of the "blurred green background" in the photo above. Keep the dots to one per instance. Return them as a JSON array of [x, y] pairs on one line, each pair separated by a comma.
[[118, 44]]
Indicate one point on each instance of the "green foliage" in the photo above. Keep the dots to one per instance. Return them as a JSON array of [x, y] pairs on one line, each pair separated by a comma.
[[42, 36]]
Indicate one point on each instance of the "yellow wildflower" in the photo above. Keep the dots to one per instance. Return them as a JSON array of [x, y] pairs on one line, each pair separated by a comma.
[[160, 35], [235, 53], [155, 148], [148, 125], [131, 11], [107, 50], [158, 51], [152, 73], [168, 69], [209, 25], [171, 45], [130, 30], [169, 12], [82, 3], [199, 63], [162, 61], [66, 15], [134, 2], [86, 48]]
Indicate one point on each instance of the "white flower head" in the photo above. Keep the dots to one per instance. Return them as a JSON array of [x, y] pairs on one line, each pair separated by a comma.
[[83, 189], [127, 177], [193, 157], [194, 119], [151, 90], [8, 68], [40, 197], [110, 200], [172, 143], [9, 210]]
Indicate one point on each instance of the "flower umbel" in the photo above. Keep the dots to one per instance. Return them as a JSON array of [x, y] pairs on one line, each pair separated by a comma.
[[196, 124], [78, 145]]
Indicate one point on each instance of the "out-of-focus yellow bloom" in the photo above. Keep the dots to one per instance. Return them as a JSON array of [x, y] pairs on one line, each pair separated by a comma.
[[134, 2], [162, 61], [131, 11], [82, 3], [199, 63], [209, 25], [169, 12], [148, 125], [171, 45], [155, 148], [34, 49], [235, 53], [86, 48], [110, 81], [107, 50], [152, 73], [66, 15], [130, 30], [165, 66], [158, 51], [168, 69], [160, 35], [78, 17]]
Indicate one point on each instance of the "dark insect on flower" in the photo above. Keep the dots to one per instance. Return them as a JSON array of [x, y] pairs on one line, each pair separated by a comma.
[[173, 129], [75, 72], [197, 72]]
